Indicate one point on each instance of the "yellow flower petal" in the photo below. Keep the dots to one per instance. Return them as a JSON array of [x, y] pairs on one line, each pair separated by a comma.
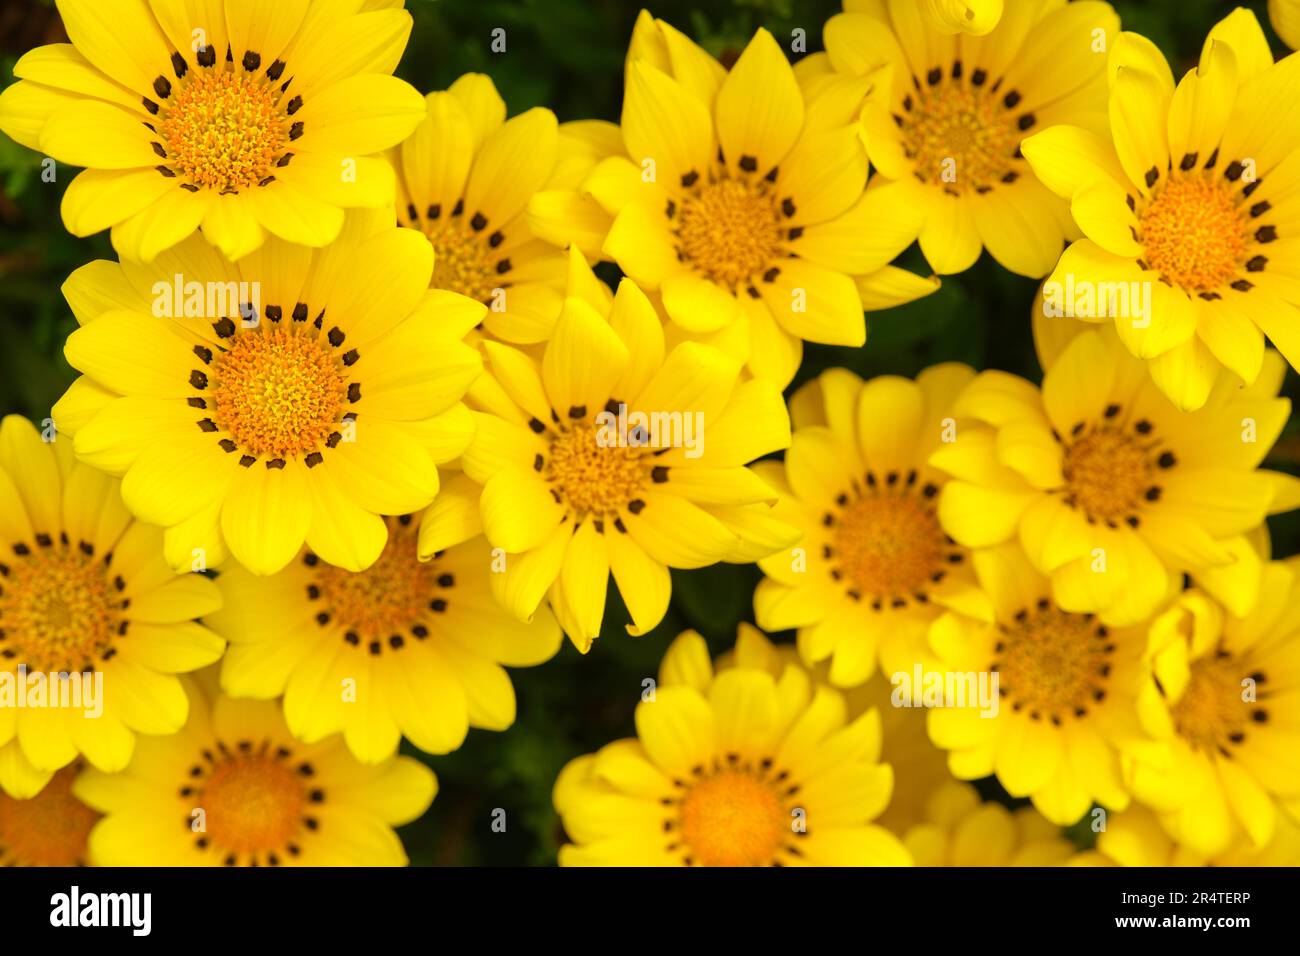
[[1139, 110], [666, 124], [519, 513], [514, 163], [759, 107], [677, 730]]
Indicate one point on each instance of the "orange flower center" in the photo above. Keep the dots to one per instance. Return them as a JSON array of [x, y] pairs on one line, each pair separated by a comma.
[[961, 137], [387, 601], [58, 610], [50, 829], [253, 804], [1213, 711], [591, 478], [732, 818], [279, 394], [1193, 233], [885, 544], [889, 545], [1052, 663], [729, 231], [1108, 473], [224, 130]]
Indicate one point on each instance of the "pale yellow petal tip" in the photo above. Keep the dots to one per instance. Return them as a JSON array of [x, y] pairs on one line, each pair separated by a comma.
[[473, 79], [647, 42], [688, 642], [582, 643], [579, 266]]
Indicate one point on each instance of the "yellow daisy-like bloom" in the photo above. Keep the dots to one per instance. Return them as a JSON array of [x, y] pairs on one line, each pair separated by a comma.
[[1136, 838], [976, 17], [959, 830], [85, 592], [235, 788], [49, 829], [577, 485], [1285, 16], [243, 119], [465, 178], [1112, 491], [920, 768], [1222, 702], [254, 432], [1066, 689], [404, 648], [740, 198], [949, 133], [873, 567], [1187, 209], [737, 769]]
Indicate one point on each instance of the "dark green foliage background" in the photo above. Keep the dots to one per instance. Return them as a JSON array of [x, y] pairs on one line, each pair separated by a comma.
[[568, 55]]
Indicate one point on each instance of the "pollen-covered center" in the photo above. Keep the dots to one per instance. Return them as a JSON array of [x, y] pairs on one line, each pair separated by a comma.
[[889, 545], [729, 231], [58, 610], [1053, 664], [252, 803], [593, 477], [1215, 709], [277, 393], [961, 137], [1194, 234], [733, 818], [1108, 473], [50, 829], [223, 130], [386, 598], [884, 543], [461, 259]]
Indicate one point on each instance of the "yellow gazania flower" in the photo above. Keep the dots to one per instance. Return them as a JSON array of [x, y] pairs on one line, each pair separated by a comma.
[[1187, 214], [1066, 689], [49, 829], [1112, 491], [920, 768], [328, 413], [737, 769], [253, 120], [573, 491], [873, 567], [959, 830], [235, 788], [403, 648], [1285, 16], [976, 17], [84, 590], [949, 134], [1136, 838], [465, 177], [1222, 700], [740, 198]]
